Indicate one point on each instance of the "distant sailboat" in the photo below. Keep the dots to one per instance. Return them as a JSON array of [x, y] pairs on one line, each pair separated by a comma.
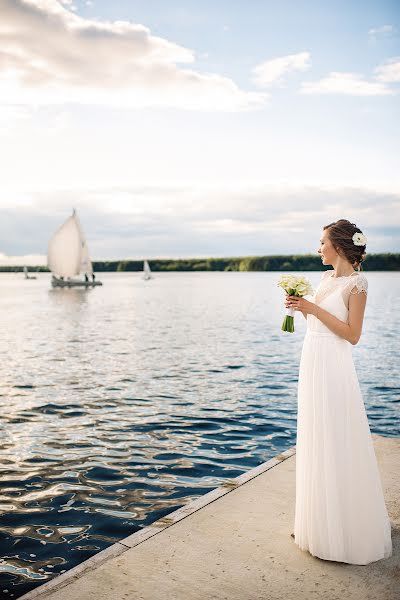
[[147, 271], [28, 276], [68, 256]]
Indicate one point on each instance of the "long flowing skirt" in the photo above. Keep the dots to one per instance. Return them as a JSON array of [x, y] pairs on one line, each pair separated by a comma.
[[340, 512]]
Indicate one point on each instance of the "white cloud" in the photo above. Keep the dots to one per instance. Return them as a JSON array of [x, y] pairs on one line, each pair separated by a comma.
[[69, 3], [30, 260], [272, 71], [49, 55], [384, 30], [10, 115], [352, 84], [189, 221], [389, 72]]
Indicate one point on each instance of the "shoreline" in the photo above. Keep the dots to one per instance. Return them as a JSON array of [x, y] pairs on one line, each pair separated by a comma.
[[383, 261]]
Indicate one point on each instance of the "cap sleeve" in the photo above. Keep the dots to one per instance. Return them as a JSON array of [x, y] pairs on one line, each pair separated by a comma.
[[359, 285]]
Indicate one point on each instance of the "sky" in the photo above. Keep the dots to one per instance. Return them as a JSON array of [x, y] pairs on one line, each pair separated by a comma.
[[192, 129]]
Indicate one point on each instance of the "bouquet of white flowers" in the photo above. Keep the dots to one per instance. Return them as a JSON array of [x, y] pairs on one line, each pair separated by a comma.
[[293, 286]]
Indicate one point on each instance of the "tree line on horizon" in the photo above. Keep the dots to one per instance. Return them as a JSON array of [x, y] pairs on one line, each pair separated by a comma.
[[388, 261]]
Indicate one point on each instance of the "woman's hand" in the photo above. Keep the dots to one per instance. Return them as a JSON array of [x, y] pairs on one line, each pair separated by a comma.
[[300, 304]]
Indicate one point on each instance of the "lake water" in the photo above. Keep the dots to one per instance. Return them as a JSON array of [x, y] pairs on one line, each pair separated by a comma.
[[122, 403]]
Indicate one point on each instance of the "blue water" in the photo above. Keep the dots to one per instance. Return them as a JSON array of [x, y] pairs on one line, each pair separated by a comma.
[[122, 403]]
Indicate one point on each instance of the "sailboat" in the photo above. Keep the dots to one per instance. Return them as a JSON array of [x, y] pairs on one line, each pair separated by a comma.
[[28, 276], [68, 256], [147, 271]]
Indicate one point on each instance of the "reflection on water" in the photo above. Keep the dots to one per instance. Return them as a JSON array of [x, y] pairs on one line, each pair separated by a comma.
[[69, 295], [122, 403]]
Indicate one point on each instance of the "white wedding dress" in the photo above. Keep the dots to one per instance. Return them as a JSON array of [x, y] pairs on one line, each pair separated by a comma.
[[340, 512]]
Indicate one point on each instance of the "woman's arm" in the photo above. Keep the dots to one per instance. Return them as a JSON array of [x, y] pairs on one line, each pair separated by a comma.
[[350, 331]]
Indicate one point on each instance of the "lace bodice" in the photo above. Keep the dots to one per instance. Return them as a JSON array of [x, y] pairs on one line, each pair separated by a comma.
[[333, 295], [347, 284]]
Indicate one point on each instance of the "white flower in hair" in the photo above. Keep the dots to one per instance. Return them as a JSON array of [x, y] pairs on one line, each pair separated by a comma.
[[359, 239]]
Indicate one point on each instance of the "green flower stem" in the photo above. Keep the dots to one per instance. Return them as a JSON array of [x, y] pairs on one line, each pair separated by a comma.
[[288, 324]]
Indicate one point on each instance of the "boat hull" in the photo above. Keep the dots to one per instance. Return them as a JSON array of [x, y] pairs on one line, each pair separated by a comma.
[[56, 282]]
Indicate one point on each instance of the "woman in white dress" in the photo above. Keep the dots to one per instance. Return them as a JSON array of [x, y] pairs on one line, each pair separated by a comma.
[[340, 512]]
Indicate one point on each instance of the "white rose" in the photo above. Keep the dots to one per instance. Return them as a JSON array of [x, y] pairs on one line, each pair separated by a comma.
[[359, 239]]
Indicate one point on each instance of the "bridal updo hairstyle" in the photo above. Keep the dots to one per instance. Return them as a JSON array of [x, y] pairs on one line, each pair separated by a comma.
[[340, 234]]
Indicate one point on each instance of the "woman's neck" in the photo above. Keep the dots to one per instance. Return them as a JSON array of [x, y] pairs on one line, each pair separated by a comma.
[[339, 273]]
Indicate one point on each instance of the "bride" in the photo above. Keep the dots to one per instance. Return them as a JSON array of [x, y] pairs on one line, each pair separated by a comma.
[[340, 512]]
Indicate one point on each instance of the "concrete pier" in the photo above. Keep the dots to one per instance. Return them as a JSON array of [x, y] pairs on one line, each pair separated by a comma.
[[235, 543]]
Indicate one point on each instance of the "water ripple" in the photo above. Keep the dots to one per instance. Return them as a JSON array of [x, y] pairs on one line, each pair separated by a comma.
[[124, 403]]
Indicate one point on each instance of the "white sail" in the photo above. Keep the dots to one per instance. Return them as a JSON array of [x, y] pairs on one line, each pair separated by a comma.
[[64, 251], [146, 270], [86, 263], [26, 271], [68, 253]]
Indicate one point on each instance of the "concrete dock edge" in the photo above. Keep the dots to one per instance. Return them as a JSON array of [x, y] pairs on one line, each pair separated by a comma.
[[234, 543], [140, 536]]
